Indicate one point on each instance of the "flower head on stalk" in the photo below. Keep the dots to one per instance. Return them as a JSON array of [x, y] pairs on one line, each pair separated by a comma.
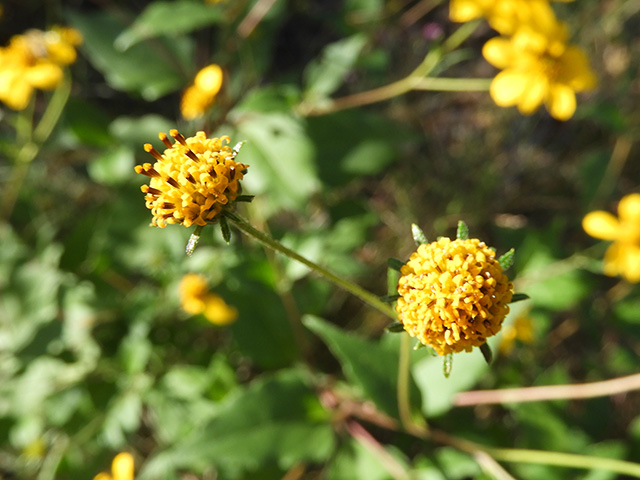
[[623, 256], [35, 60], [192, 181], [121, 468], [453, 295]]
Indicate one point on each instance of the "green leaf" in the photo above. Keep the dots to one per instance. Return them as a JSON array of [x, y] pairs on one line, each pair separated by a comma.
[[224, 229], [396, 327], [418, 235], [485, 349], [136, 131], [437, 391], [323, 76], [169, 19], [113, 167], [370, 365], [507, 259], [278, 419], [390, 298], [281, 163], [463, 231], [141, 69]]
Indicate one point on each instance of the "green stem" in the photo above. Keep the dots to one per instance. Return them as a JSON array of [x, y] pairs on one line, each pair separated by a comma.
[[403, 395], [350, 287], [568, 460], [32, 142], [442, 84]]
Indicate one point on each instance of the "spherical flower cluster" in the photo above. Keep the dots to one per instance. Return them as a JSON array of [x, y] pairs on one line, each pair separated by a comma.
[[453, 295], [198, 97], [122, 468], [538, 65], [35, 60], [192, 181], [196, 299], [623, 256]]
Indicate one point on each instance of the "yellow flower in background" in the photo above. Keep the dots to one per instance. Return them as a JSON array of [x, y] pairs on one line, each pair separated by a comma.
[[521, 329], [623, 256], [199, 97], [121, 468], [35, 60], [192, 181], [538, 69], [195, 299], [453, 295]]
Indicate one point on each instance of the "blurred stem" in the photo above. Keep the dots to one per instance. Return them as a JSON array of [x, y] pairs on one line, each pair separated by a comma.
[[31, 140], [400, 87], [350, 287], [551, 392], [403, 392], [442, 84], [54, 457]]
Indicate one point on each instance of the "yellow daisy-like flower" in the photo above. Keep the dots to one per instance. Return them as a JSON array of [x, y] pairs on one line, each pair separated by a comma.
[[538, 67], [453, 295], [199, 97], [192, 181], [195, 298], [623, 256], [121, 468], [35, 60]]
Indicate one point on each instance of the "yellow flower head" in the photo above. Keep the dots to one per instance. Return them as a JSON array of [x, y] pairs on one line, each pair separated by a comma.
[[196, 298], [623, 256], [192, 181], [121, 468], [35, 60], [197, 98], [453, 295]]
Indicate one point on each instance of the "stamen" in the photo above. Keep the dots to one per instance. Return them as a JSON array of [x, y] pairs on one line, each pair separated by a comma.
[[183, 141], [167, 205], [171, 181], [154, 153], [212, 171], [190, 178], [232, 172], [163, 137], [146, 169]]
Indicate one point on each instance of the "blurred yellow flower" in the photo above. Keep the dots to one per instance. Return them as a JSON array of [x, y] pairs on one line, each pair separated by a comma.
[[623, 256], [537, 69], [521, 329], [196, 298], [35, 60], [199, 97], [192, 181], [453, 295], [121, 468]]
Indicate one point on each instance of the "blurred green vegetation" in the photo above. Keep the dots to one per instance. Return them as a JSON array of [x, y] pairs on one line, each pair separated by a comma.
[[96, 355]]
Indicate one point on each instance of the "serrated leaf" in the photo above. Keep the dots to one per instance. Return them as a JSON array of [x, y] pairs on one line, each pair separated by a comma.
[[506, 260], [418, 235], [168, 19], [463, 231]]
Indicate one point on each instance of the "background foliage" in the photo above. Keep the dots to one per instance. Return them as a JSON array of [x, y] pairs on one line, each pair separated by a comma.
[[96, 355]]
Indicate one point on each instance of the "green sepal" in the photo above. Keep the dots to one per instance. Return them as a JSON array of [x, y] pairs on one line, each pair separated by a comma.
[[507, 259], [245, 198], [193, 240], [447, 365], [486, 353], [395, 327], [463, 231], [224, 228], [419, 345], [395, 264], [518, 297], [390, 298], [418, 235]]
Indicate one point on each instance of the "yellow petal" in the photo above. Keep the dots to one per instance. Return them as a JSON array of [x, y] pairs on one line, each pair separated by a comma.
[[122, 466], [102, 476], [507, 88], [561, 102], [575, 70], [218, 312], [209, 79], [601, 225], [629, 208], [464, 10], [45, 76], [533, 94], [630, 268], [498, 52]]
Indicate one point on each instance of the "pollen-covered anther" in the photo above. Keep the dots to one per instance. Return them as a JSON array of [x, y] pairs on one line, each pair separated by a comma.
[[164, 139], [453, 295], [154, 153]]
